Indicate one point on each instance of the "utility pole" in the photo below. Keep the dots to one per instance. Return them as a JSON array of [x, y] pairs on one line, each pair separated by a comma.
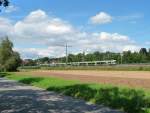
[[66, 50], [66, 53], [83, 56]]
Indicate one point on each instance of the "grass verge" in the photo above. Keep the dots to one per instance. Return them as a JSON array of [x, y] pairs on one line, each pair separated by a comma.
[[126, 99]]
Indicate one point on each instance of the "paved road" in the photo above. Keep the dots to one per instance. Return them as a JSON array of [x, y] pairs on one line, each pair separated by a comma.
[[18, 98]]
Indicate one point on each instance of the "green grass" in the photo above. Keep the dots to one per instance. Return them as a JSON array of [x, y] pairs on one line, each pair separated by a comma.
[[123, 98]]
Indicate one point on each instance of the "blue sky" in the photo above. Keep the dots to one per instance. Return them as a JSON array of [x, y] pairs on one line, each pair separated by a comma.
[[97, 24]]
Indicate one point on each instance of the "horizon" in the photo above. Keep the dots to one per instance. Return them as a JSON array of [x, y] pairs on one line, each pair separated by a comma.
[[43, 29]]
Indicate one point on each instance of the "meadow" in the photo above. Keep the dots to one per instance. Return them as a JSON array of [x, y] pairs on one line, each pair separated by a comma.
[[130, 100]]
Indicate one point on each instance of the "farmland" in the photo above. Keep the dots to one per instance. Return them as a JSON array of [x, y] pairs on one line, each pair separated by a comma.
[[135, 79]]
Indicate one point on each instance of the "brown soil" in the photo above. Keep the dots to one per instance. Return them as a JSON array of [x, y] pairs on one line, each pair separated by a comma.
[[139, 79]]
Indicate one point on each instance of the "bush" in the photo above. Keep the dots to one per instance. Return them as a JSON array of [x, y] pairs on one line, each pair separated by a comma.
[[129, 100], [80, 91]]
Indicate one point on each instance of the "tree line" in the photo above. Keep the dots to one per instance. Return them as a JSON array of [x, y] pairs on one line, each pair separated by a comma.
[[126, 57]]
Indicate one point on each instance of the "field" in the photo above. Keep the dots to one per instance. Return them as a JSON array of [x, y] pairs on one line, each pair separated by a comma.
[[135, 79]]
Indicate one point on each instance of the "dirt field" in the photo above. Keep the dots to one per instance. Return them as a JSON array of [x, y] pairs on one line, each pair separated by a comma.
[[126, 78]]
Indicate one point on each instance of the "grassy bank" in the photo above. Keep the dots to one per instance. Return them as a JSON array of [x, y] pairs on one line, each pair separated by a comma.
[[101, 68], [126, 99]]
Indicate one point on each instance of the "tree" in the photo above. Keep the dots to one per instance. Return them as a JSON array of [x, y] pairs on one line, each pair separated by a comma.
[[149, 55], [143, 51], [45, 60], [144, 55], [9, 59], [97, 55], [4, 3], [71, 58], [30, 62]]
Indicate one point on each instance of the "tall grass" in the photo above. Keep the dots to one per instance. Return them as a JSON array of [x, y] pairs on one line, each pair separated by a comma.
[[126, 99]]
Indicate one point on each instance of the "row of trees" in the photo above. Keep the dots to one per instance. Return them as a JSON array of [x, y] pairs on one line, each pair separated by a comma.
[[143, 56], [9, 59]]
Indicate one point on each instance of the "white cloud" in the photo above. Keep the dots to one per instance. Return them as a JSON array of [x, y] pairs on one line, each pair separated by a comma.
[[38, 24], [36, 16], [132, 48], [104, 36], [5, 26], [39, 34], [101, 18], [11, 8], [41, 52], [104, 41]]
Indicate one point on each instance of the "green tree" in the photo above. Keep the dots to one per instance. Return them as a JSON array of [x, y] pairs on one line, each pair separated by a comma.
[[149, 55], [71, 58], [30, 62], [4, 3], [41, 60], [143, 51], [97, 55], [9, 59], [144, 55]]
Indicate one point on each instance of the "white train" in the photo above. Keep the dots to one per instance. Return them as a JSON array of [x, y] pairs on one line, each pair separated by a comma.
[[88, 63]]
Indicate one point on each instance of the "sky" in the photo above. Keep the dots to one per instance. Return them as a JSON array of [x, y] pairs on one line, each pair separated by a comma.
[[42, 28]]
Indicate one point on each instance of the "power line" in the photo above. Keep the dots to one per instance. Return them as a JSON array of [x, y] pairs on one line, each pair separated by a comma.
[[66, 50]]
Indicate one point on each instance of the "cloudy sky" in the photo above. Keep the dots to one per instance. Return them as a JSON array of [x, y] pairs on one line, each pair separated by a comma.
[[42, 27]]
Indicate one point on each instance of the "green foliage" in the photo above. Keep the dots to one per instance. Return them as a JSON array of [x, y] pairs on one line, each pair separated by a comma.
[[30, 80], [143, 56], [4, 3], [81, 91], [131, 101], [29, 62], [126, 99], [9, 59]]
